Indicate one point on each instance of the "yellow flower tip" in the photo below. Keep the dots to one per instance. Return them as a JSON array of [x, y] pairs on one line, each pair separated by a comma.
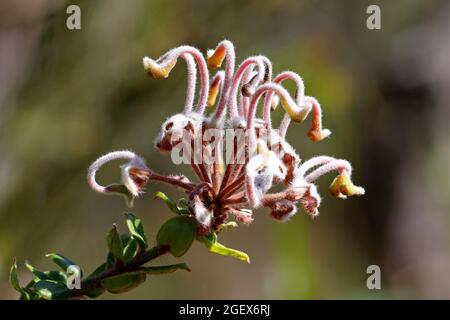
[[318, 135], [299, 116], [342, 187], [215, 57], [157, 71], [231, 224], [212, 95]]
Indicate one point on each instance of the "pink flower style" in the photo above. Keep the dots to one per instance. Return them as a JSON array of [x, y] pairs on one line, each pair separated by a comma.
[[227, 191]]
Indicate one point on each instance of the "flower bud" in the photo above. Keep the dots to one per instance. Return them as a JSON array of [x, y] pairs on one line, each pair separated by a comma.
[[311, 201], [158, 71], [342, 186], [215, 57], [290, 107], [214, 90], [317, 134], [135, 175], [283, 210]]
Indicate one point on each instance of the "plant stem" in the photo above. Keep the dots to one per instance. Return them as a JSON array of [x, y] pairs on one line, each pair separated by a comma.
[[92, 284]]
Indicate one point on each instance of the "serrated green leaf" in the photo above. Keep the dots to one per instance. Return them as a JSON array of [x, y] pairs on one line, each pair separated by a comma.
[[115, 244], [130, 247], [123, 282], [136, 228], [178, 233], [153, 270], [218, 248], [170, 204], [63, 262], [51, 290]]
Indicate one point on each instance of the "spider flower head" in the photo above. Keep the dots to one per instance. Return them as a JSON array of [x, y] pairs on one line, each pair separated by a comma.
[[228, 187]]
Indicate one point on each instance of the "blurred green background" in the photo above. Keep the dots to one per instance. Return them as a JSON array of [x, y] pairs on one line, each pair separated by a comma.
[[67, 97]]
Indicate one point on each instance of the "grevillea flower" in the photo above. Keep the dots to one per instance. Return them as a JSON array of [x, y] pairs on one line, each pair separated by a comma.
[[229, 186]]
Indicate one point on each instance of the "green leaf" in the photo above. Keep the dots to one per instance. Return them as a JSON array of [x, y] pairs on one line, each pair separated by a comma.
[[25, 294], [98, 270], [63, 262], [136, 228], [218, 248], [165, 269], [56, 275], [98, 290], [183, 206], [95, 292], [212, 237], [130, 247], [47, 275], [121, 189], [178, 233], [51, 290], [115, 244], [123, 282], [110, 261], [28, 294], [13, 279], [170, 204], [39, 274]]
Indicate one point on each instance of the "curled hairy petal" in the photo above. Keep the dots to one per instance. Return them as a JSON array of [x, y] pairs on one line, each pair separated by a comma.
[[134, 174], [224, 50], [160, 69], [247, 65]]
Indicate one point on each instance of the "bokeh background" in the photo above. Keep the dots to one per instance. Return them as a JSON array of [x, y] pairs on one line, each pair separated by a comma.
[[67, 97]]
